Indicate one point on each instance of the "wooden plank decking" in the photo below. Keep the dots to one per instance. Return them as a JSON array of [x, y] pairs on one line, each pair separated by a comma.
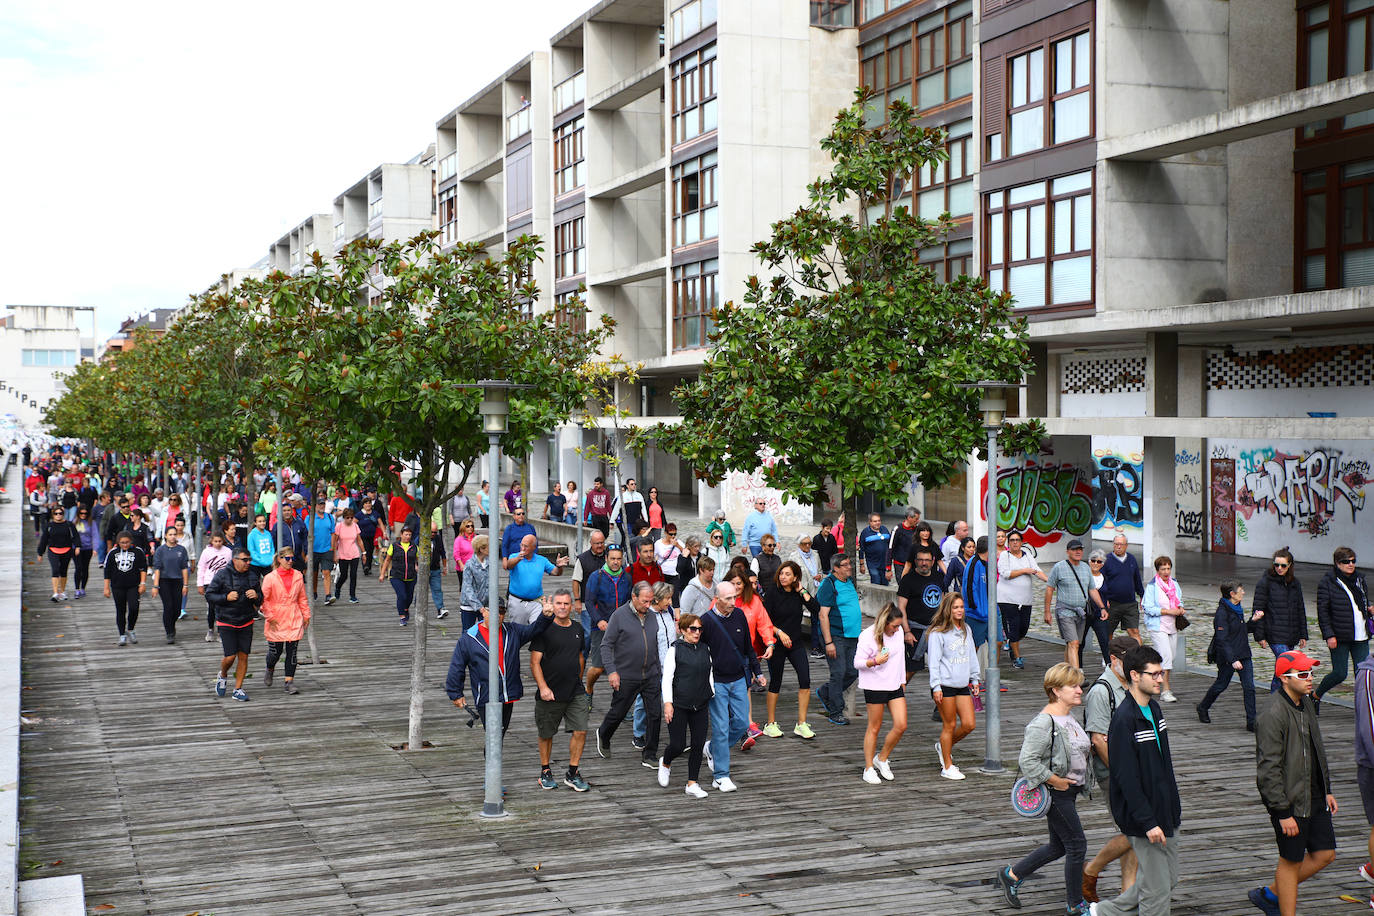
[[171, 801]]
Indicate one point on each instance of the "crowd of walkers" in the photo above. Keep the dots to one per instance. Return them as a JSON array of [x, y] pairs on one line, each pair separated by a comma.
[[686, 631]]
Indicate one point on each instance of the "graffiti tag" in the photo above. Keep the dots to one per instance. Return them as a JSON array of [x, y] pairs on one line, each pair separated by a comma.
[[1118, 490], [1302, 490], [1188, 485], [1043, 502], [1186, 457], [1189, 524]]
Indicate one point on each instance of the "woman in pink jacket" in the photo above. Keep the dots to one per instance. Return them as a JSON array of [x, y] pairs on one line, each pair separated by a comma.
[[881, 661], [287, 614]]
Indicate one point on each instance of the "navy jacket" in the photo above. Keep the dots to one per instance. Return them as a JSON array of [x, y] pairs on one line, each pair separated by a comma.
[[472, 654], [1121, 579], [1232, 635], [604, 593], [732, 649]]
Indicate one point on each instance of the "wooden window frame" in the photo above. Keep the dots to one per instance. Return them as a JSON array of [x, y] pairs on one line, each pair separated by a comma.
[[1334, 190], [570, 248], [703, 169], [1000, 92], [694, 94], [703, 279], [569, 157], [1337, 26], [998, 205]]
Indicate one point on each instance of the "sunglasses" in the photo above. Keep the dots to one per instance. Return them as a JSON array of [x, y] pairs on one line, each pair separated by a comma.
[[1280, 565], [693, 629], [1300, 675], [1344, 562]]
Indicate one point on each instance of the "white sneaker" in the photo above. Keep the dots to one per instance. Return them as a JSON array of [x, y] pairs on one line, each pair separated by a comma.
[[940, 755], [696, 791], [952, 773], [883, 769], [871, 777], [63, 596], [133, 638], [706, 755], [1168, 697], [663, 772], [123, 640], [725, 784]]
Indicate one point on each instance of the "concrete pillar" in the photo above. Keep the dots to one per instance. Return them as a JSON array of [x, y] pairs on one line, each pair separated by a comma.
[[1035, 396], [1052, 385], [1161, 502], [1161, 374], [973, 500]]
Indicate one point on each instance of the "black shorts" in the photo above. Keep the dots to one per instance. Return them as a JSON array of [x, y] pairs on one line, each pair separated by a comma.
[[882, 697], [1315, 834], [947, 691], [236, 640], [58, 563]]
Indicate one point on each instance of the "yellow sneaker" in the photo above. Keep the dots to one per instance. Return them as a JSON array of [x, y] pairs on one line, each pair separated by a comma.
[[772, 730], [803, 731]]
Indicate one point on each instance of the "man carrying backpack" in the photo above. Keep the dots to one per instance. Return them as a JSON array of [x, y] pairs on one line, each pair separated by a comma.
[[1099, 705]]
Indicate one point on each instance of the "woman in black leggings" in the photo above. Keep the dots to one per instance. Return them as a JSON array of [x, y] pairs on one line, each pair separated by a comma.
[[126, 568], [89, 532], [60, 542], [784, 601], [687, 689]]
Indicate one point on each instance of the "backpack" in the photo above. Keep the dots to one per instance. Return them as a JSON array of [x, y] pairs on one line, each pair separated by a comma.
[[1111, 699]]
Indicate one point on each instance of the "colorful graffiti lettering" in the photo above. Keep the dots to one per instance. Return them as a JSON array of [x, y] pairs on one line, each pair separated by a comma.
[[1118, 490], [1043, 502], [1302, 489], [1253, 459]]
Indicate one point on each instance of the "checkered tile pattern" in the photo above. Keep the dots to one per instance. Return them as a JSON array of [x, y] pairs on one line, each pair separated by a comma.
[[1299, 367], [1102, 376]]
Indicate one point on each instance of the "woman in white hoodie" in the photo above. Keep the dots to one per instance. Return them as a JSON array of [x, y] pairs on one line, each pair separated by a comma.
[[954, 677]]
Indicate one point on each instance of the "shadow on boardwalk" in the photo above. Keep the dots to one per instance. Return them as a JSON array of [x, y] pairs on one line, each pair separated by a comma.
[[169, 800]]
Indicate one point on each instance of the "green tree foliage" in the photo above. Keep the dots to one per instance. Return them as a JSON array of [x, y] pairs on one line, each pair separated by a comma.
[[113, 403], [845, 361]]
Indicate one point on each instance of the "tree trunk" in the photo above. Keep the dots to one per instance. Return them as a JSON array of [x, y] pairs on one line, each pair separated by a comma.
[[419, 619], [849, 504]]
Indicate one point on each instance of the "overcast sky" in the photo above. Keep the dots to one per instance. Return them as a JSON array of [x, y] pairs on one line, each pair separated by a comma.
[[151, 146]]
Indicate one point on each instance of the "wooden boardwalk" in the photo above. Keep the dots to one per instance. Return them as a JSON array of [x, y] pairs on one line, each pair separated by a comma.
[[171, 801]]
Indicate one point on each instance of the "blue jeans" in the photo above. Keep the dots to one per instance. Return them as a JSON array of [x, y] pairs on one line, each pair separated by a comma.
[[979, 629], [405, 596], [1341, 657], [754, 551], [729, 722], [842, 674], [877, 575], [1278, 650], [587, 623], [436, 587], [570, 518], [1247, 686]]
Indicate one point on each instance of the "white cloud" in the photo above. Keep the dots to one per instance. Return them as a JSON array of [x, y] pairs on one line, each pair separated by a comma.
[[152, 146]]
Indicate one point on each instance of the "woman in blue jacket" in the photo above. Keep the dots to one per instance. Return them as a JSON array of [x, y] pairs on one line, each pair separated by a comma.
[[472, 654]]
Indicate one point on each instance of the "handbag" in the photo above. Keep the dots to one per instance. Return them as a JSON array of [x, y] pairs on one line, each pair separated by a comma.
[[1032, 800], [1181, 623]]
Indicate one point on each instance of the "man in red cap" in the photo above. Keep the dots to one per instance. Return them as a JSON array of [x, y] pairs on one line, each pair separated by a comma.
[[1294, 784]]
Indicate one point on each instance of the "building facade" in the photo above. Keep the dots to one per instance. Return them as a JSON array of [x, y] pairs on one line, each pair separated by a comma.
[[39, 345]]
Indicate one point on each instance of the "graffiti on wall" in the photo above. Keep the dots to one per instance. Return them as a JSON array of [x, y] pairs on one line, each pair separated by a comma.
[[1118, 490], [742, 488], [1304, 490], [1188, 490], [1045, 502]]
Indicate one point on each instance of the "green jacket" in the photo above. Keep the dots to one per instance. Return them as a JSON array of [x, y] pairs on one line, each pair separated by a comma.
[[1282, 752], [727, 532], [1045, 752]]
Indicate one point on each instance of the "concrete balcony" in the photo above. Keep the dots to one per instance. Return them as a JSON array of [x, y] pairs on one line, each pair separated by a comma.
[[656, 269], [629, 89], [627, 183], [483, 170]]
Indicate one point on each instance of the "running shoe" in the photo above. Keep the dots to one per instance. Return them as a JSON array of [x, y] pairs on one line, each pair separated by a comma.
[[602, 748], [706, 755], [133, 637], [352, 600], [442, 613], [803, 730], [1262, 902], [54, 599], [637, 742], [209, 635], [405, 621], [267, 678], [663, 773], [63, 596], [696, 791], [724, 784], [648, 763], [290, 687], [1168, 697], [546, 780], [241, 695], [123, 640], [330, 599], [772, 730], [1018, 662], [575, 782], [221, 686], [1008, 887], [171, 639], [952, 773], [182, 616], [883, 768], [747, 744], [837, 718], [1081, 908], [754, 730], [1367, 872], [871, 777]]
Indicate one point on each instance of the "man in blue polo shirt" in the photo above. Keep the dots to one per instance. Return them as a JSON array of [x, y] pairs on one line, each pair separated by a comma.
[[322, 551], [527, 570], [841, 624]]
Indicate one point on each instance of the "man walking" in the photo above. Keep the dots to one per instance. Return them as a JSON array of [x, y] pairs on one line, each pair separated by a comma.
[[629, 653], [903, 538], [322, 552], [587, 562], [527, 570], [236, 593], [515, 532], [841, 624], [734, 665], [607, 589], [873, 550], [949, 547], [756, 525], [1122, 589], [699, 594], [598, 510], [1070, 594], [918, 598], [1100, 703], [1142, 790], [557, 657], [1294, 783]]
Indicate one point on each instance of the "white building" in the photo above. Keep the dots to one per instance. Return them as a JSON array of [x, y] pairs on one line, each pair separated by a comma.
[[39, 345]]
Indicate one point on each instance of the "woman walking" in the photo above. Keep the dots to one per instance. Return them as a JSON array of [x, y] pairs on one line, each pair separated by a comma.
[[400, 561], [38, 506], [715, 549], [658, 519], [1015, 569], [688, 685], [881, 661], [88, 533], [473, 596], [572, 506], [462, 549], [667, 551], [171, 574], [784, 603], [954, 675], [126, 571], [348, 552], [286, 613], [261, 546], [954, 573], [1232, 653], [1343, 614], [1160, 607], [59, 541], [214, 557], [765, 566], [1280, 612], [1055, 753]]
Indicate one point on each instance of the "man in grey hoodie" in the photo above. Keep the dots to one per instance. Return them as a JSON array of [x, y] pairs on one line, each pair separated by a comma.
[[629, 653]]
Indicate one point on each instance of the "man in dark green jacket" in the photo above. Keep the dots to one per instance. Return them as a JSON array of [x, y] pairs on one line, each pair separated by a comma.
[[1294, 784]]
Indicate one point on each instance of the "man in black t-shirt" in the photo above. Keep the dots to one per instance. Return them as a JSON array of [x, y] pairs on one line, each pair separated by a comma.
[[557, 658], [918, 598]]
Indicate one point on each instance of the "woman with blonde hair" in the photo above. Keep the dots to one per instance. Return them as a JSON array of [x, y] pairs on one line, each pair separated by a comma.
[[286, 613], [881, 662], [1055, 754], [954, 678]]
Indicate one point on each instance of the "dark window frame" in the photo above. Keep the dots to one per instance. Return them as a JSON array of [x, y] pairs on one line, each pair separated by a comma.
[[694, 95], [696, 295]]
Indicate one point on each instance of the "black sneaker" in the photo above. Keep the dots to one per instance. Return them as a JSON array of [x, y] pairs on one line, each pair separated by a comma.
[[1202, 715], [638, 743], [602, 748], [1008, 887]]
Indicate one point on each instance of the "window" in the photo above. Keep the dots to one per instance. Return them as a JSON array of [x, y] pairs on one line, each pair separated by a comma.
[[691, 18], [570, 248], [950, 260], [448, 167], [569, 312], [695, 297], [872, 9], [1039, 241], [518, 123], [694, 201], [448, 216], [836, 13], [1335, 39], [56, 359], [944, 56], [694, 94], [569, 92], [886, 65], [1335, 227], [947, 187], [339, 231], [374, 209], [519, 181], [569, 164], [1049, 98]]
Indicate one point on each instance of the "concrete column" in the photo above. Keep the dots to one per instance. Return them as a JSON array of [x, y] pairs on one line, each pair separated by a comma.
[[1052, 385], [539, 466], [1161, 502], [973, 501], [1161, 374], [1035, 396]]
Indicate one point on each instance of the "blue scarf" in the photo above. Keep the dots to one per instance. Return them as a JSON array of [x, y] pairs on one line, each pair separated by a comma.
[[1240, 611]]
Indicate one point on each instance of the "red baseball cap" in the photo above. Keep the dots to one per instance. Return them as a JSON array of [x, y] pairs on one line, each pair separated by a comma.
[[1293, 661]]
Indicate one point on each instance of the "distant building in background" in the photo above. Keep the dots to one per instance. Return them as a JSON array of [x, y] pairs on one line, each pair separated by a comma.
[[155, 319], [39, 345]]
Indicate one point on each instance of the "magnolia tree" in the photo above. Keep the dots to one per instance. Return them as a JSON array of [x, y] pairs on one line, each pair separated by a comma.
[[846, 359], [370, 360]]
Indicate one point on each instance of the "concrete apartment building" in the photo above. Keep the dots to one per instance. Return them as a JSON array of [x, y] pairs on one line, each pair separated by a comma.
[[39, 345]]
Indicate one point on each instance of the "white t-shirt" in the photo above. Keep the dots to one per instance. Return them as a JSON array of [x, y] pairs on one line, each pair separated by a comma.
[[1018, 590], [949, 547]]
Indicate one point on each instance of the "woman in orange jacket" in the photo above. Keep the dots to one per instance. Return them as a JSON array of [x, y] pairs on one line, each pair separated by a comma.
[[760, 628], [287, 614]]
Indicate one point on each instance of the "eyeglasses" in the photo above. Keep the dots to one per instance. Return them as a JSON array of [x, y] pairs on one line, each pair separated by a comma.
[[842, 563], [1344, 562], [1157, 675], [1097, 561], [1280, 565], [716, 537], [693, 629], [1300, 675]]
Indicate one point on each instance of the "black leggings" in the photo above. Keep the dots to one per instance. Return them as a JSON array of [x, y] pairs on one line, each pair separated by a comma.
[[801, 663], [126, 607], [348, 570], [169, 590], [275, 650], [1066, 840], [58, 563], [209, 615], [683, 719], [506, 710], [83, 569]]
